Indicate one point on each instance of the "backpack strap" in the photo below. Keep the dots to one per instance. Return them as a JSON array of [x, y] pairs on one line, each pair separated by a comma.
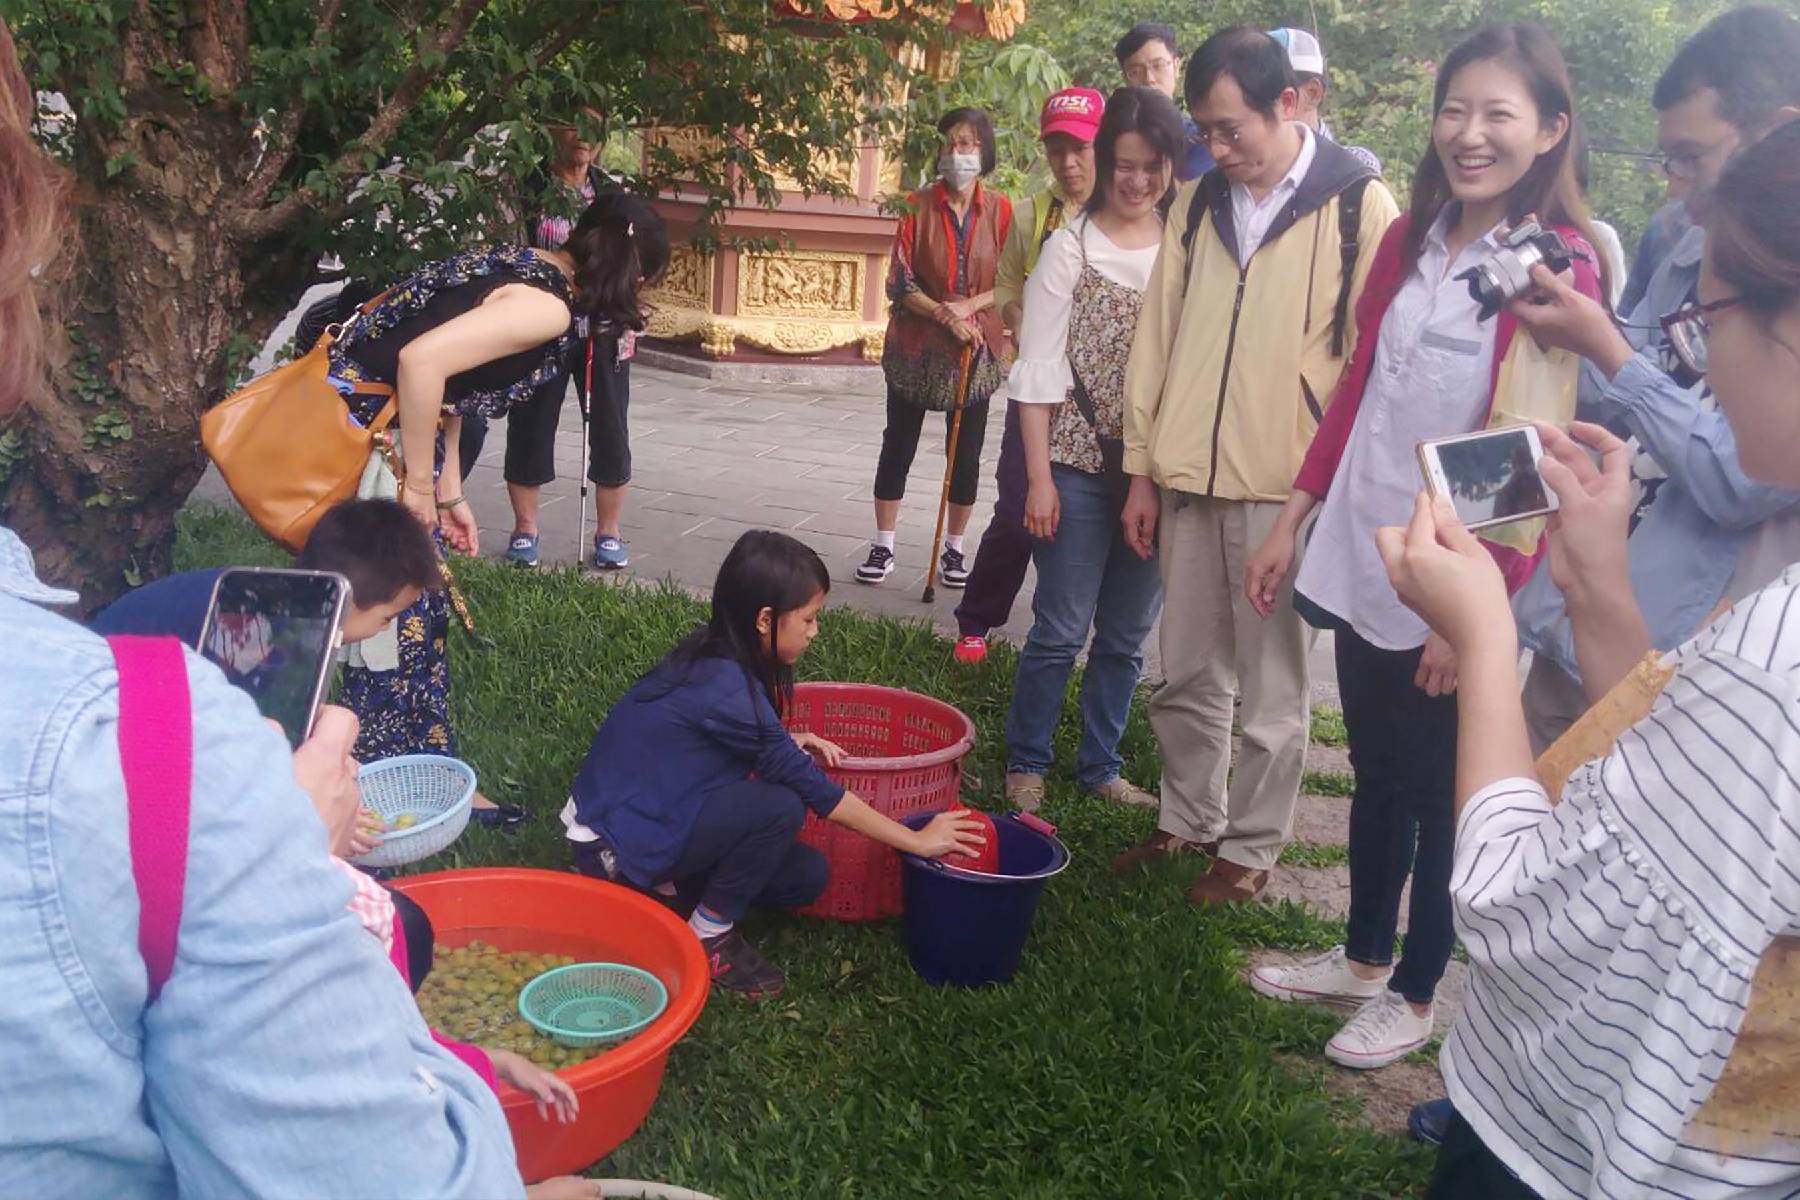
[[1198, 204], [156, 752], [1349, 231]]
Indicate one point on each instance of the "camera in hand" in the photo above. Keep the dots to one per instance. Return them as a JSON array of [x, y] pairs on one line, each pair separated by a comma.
[[1508, 272]]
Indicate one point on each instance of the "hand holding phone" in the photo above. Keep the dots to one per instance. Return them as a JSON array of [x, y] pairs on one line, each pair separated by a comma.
[[1491, 477], [275, 634]]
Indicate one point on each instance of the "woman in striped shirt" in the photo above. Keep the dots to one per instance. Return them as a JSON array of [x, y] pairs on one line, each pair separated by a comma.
[[1616, 930]]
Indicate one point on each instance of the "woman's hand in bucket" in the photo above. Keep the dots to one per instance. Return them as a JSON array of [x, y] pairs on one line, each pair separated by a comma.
[[956, 831], [1587, 533], [1268, 569], [1043, 509], [324, 768], [812, 743], [365, 834], [550, 1090], [1446, 576], [460, 529]]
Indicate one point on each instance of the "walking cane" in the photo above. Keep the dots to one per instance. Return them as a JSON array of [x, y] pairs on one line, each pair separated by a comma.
[[582, 399], [937, 539]]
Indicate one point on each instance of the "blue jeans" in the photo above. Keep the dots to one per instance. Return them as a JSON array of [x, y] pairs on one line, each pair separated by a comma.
[[1087, 578]]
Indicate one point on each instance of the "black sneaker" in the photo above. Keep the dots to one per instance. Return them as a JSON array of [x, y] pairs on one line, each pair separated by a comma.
[[877, 567], [504, 817], [951, 571], [736, 965]]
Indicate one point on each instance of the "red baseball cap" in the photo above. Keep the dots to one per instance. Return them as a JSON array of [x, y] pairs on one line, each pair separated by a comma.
[[1074, 111]]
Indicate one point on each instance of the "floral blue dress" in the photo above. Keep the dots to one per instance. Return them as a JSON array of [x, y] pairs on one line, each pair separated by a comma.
[[407, 710]]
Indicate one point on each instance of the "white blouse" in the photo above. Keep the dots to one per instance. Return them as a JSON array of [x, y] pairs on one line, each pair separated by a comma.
[[1614, 937], [1432, 377], [1041, 375]]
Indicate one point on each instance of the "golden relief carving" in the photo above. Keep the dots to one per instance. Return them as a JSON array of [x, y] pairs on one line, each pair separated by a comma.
[[718, 336], [800, 283], [688, 279], [688, 143]]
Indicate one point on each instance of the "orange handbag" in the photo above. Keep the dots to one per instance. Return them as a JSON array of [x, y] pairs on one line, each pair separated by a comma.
[[286, 444]]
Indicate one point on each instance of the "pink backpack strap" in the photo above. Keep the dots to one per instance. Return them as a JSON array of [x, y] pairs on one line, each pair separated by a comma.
[[156, 750]]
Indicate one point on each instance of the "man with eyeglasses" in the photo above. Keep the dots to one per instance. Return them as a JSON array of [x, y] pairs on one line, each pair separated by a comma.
[[1148, 57], [1697, 514], [1243, 333], [1702, 534]]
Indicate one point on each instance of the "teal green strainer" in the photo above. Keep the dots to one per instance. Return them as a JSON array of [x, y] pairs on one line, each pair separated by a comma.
[[593, 1004]]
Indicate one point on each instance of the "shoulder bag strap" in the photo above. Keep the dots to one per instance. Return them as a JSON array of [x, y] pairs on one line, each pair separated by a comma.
[[1349, 234], [156, 751]]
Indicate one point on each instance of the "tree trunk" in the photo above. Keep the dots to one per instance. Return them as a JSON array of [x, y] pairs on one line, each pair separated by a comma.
[[108, 460]]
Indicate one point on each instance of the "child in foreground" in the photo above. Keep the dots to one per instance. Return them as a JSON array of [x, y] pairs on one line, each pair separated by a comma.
[[693, 788], [404, 931], [390, 561]]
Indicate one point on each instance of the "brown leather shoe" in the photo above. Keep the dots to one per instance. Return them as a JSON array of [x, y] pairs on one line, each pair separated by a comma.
[[1160, 845], [1227, 883]]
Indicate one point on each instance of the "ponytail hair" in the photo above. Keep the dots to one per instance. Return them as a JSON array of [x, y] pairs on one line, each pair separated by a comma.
[[1550, 189], [764, 569], [620, 245]]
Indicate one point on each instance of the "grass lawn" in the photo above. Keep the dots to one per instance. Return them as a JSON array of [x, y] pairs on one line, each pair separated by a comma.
[[1127, 1060]]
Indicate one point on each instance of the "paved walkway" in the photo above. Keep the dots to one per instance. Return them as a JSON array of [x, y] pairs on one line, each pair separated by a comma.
[[711, 460]]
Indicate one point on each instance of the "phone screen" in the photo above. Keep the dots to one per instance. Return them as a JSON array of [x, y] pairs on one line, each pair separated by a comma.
[[1494, 477], [273, 633]]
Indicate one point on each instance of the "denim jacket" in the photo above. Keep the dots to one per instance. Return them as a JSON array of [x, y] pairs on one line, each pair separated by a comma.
[[284, 1057], [1696, 507]]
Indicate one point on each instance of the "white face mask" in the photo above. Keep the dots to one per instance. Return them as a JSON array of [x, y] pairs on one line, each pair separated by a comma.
[[959, 170]]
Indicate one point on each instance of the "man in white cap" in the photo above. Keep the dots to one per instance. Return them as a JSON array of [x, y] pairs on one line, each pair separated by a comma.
[[1307, 58]]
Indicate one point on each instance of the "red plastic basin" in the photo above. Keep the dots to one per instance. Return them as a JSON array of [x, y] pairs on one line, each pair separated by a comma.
[[558, 912]]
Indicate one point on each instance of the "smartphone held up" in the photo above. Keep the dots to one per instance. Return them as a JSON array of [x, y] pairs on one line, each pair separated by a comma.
[[275, 634], [1490, 477]]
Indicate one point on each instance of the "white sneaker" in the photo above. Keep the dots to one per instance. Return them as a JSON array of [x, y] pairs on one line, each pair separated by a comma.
[[1382, 1031], [1323, 979]]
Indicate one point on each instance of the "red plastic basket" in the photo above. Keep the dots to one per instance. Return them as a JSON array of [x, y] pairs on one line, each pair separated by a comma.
[[907, 754]]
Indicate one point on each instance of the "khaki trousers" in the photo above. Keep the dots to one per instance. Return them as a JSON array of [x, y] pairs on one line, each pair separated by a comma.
[[1217, 650]]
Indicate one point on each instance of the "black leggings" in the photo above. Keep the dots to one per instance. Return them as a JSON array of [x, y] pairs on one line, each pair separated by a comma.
[[900, 442], [531, 426], [1468, 1170]]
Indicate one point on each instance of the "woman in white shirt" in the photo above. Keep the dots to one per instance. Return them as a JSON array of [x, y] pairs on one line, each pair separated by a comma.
[[1621, 934], [1081, 307], [1426, 365]]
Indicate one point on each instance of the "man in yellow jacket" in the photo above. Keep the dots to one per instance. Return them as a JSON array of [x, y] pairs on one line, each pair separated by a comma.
[[1246, 325]]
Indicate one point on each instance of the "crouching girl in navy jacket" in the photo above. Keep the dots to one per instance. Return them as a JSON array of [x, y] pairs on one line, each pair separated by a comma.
[[693, 787]]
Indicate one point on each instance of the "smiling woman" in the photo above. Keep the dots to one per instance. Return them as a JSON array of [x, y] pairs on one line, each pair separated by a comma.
[[1656, 881], [1436, 367], [1081, 310]]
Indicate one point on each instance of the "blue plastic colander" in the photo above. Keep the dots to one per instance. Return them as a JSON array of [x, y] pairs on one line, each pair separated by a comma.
[[593, 1004], [435, 789]]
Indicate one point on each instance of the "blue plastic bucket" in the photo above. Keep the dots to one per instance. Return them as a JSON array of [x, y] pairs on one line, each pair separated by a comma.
[[968, 928]]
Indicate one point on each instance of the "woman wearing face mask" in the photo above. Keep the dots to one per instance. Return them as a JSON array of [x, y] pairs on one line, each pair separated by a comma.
[[1427, 366], [1081, 306], [1630, 1027], [941, 284]]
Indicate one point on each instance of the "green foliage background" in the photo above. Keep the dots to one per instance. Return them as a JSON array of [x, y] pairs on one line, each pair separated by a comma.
[[1382, 56]]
